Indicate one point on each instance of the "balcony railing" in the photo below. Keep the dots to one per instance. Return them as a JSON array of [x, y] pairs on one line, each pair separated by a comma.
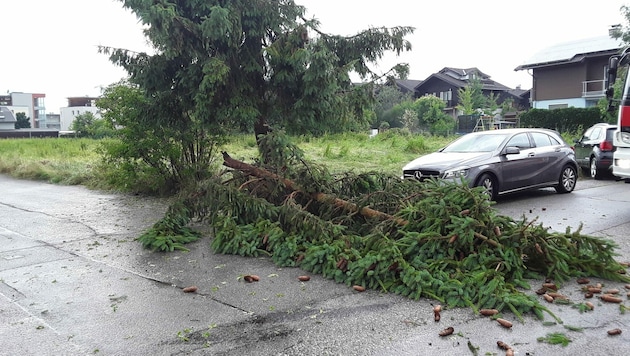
[[594, 89]]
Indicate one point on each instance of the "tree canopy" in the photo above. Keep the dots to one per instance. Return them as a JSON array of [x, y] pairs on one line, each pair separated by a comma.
[[225, 65], [23, 122], [623, 31], [88, 125], [471, 97]]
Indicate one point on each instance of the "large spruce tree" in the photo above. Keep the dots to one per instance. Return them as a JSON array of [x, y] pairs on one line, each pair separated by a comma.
[[245, 64]]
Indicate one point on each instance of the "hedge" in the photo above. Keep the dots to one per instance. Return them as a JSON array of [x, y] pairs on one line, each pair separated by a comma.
[[562, 120]]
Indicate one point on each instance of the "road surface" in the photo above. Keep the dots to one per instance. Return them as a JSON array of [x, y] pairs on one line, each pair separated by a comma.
[[74, 282]]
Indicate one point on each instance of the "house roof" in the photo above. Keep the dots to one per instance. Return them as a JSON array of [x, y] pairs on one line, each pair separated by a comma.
[[6, 116], [572, 52], [459, 77], [462, 72], [408, 84], [518, 92]]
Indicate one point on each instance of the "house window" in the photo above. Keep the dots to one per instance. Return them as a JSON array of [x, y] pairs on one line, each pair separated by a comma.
[[558, 106], [446, 95]]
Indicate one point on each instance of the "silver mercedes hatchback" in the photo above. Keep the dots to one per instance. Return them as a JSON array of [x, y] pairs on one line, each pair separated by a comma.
[[502, 161]]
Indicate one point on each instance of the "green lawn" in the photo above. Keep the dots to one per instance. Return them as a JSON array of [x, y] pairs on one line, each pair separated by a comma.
[[58, 160], [72, 160]]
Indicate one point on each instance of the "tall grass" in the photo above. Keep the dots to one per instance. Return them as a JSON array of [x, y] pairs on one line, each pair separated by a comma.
[[76, 160], [58, 160]]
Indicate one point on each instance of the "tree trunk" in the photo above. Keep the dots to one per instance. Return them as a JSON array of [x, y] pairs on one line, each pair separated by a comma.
[[261, 127], [320, 197]]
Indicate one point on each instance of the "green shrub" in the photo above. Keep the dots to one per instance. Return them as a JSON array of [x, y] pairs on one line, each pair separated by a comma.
[[416, 145]]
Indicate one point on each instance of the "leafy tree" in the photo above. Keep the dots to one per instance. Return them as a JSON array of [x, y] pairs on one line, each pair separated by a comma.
[[507, 105], [430, 111], [620, 31], [82, 124], [491, 104], [23, 122], [426, 112], [466, 104], [87, 125], [388, 96], [220, 66], [395, 116], [471, 97], [479, 99], [144, 158], [409, 120]]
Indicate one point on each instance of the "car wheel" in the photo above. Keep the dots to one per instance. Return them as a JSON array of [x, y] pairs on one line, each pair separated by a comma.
[[595, 173], [489, 185], [567, 180]]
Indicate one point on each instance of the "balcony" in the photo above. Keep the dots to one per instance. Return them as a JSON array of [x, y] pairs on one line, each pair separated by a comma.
[[594, 89]]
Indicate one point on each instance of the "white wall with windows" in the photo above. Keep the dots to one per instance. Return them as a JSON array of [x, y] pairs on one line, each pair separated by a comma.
[[68, 114], [564, 103]]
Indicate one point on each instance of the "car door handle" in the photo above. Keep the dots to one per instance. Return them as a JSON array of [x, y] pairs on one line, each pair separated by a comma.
[[531, 154]]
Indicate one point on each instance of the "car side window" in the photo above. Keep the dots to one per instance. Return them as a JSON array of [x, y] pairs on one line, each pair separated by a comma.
[[541, 139], [594, 135], [521, 141]]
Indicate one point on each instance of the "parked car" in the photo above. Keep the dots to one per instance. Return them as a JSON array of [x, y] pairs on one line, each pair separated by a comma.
[[502, 161], [594, 150]]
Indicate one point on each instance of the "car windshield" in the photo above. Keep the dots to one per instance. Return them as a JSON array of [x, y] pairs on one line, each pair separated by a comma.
[[476, 143]]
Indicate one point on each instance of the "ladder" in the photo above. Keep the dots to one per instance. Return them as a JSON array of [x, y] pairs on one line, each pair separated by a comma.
[[479, 126]]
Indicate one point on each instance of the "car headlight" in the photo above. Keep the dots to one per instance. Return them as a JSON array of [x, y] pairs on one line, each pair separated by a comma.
[[625, 137], [460, 172]]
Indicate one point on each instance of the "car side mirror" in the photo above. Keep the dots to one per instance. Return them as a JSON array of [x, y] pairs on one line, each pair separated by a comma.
[[613, 65], [512, 150]]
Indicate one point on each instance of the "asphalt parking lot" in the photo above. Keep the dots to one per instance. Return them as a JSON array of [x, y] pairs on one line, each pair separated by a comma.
[[74, 282]]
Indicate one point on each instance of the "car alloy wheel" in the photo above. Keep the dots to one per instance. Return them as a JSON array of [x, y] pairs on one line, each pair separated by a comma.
[[568, 178], [487, 182], [593, 169]]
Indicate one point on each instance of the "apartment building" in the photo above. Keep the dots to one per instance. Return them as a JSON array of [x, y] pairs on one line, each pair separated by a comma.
[[77, 106]]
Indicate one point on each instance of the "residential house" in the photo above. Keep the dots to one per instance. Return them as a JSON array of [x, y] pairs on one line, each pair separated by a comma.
[[7, 119], [77, 106], [7, 126], [446, 83], [32, 105], [571, 74]]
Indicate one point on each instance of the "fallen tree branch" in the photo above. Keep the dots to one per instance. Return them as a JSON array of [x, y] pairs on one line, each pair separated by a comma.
[[488, 240], [320, 197]]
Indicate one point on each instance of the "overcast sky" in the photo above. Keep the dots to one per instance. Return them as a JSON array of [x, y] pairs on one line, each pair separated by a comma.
[[50, 47]]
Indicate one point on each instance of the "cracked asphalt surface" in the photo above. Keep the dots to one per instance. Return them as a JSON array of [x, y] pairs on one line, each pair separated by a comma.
[[74, 282]]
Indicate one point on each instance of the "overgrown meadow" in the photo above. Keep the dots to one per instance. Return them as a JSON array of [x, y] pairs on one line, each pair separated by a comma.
[[78, 160]]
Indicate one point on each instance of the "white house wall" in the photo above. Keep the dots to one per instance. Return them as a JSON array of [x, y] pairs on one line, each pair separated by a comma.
[[570, 103], [68, 114], [20, 109], [23, 101]]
